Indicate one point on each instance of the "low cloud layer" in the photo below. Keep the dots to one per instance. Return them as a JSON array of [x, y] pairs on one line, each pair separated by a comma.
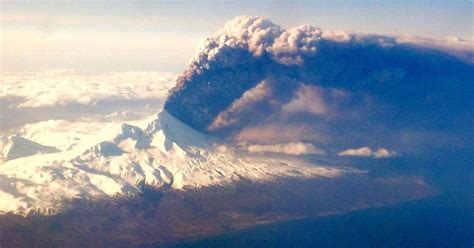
[[53, 88], [71, 95], [368, 152], [297, 148], [256, 82]]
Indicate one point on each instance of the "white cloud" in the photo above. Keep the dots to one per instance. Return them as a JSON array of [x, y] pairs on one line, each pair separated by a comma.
[[361, 152], [383, 153], [59, 88], [368, 152], [295, 148]]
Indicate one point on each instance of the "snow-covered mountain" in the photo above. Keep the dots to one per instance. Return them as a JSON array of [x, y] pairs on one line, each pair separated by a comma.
[[14, 146], [119, 159]]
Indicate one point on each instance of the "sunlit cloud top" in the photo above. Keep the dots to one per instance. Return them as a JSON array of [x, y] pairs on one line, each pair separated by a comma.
[[92, 36]]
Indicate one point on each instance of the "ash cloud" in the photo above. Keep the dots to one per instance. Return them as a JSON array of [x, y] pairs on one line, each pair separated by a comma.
[[256, 82]]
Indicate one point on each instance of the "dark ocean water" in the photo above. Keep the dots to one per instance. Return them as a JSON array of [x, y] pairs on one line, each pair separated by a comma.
[[443, 220], [433, 222]]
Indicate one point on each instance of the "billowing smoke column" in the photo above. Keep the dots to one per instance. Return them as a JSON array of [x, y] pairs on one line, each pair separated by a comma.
[[257, 82]]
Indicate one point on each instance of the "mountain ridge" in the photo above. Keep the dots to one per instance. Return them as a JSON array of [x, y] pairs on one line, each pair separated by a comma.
[[164, 152]]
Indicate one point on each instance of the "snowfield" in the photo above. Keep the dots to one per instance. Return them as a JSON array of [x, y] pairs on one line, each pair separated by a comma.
[[56, 161]]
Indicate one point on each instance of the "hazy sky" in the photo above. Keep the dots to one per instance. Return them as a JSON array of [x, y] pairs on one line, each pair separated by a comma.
[[105, 36]]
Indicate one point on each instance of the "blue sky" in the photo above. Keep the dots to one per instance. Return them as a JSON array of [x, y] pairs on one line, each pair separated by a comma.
[[162, 36]]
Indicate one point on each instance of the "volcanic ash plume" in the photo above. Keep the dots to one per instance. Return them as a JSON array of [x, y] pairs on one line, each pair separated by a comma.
[[342, 89]]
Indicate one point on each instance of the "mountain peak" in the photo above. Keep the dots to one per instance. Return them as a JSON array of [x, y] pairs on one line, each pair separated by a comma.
[[166, 152], [15, 146]]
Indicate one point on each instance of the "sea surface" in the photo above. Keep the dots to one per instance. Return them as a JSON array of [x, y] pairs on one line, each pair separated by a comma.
[[432, 222], [443, 220]]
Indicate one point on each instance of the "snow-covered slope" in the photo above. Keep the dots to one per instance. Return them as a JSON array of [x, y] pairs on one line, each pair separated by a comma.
[[117, 159], [14, 146]]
